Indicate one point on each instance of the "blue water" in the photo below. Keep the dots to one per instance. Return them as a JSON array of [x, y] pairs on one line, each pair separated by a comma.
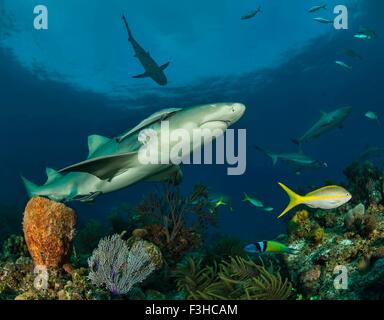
[[60, 85]]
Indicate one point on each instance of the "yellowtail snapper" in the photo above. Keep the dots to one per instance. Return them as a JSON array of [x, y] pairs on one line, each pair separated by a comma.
[[330, 197]]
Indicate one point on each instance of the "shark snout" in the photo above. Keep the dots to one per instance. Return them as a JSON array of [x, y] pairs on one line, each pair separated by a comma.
[[237, 110]]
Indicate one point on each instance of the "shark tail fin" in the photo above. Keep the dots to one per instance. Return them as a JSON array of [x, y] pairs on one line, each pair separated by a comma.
[[130, 36], [294, 198], [30, 187], [269, 154]]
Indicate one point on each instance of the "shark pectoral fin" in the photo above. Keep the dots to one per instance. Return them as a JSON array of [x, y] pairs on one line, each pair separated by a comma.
[[172, 174], [105, 167], [88, 198], [143, 75], [165, 66], [52, 175], [96, 141]]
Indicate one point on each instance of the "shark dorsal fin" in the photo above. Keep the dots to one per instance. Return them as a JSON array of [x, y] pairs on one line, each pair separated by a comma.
[[95, 141], [157, 116], [52, 175]]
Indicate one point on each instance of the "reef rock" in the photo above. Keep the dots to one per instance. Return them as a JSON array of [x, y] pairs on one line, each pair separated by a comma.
[[48, 231]]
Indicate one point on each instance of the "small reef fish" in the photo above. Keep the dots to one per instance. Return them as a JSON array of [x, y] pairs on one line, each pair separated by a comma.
[[269, 247], [255, 202], [363, 36], [368, 32], [268, 209], [343, 65], [251, 15], [330, 197], [372, 116], [218, 201], [298, 160], [323, 20], [327, 122], [317, 8], [351, 53]]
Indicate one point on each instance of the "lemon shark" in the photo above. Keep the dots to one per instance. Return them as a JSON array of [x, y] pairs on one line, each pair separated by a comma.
[[152, 69], [327, 122], [113, 164]]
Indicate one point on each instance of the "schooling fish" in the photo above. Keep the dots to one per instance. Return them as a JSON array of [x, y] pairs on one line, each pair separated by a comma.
[[257, 203], [268, 209], [269, 247], [372, 116], [343, 65], [323, 20], [368, 32], [363, 36], [317, 8], [330, 197]]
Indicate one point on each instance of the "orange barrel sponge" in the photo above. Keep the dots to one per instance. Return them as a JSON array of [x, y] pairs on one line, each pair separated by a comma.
[[49, 228]]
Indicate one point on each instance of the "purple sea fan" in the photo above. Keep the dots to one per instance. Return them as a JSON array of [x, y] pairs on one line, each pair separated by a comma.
[[117, 267]]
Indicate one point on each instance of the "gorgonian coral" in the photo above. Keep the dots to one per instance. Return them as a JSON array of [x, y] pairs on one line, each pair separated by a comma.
[[117, 267]]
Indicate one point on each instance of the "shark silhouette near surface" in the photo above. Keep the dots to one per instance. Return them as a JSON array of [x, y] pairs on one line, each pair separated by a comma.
[[152, 69]]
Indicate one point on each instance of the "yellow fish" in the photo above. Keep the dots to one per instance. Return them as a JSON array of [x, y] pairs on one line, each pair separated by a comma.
[[329, 197]]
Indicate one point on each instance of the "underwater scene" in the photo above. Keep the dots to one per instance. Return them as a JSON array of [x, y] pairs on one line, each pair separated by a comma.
[[192, 150]]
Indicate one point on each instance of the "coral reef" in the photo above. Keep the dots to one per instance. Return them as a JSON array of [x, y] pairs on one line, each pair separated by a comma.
[[171, 214], [234, 278], [340, 252], [18, 280], [13, 248], [352, 240], [48, 231], [118, 267], [365, 182]]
